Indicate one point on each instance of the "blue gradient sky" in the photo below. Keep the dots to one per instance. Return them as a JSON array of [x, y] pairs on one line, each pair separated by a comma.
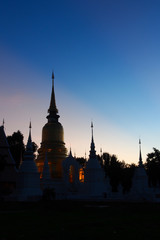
[[106, 59]]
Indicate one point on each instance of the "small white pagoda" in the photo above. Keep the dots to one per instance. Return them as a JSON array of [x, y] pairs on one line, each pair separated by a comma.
[[94, 177], [28, 180], [140, 190]]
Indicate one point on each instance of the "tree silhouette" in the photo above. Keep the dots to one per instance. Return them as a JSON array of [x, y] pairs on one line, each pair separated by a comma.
[[118, 172], [153, 167], [17, 146], [113, 169], [127, 175]]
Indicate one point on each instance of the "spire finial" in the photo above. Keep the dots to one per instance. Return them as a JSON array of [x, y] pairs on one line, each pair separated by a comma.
[[91, 124], [30, 126], [3, 122], [70, 152], [92, 151], [101, 152], [85, 155], [52, 75], [92, 129], [140, 154], [29, 142], [52, 108], [52, 79]]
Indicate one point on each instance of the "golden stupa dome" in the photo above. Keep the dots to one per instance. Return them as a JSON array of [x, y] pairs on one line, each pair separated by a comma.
[[53, 132]]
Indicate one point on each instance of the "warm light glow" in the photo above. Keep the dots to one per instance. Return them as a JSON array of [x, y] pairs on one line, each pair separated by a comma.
[[71, 174], [81, 175], [40, 168], [49, 150]]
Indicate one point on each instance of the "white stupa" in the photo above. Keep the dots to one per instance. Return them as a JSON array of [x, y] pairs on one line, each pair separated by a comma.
[[140, 190], [28, 180], [94, 177]]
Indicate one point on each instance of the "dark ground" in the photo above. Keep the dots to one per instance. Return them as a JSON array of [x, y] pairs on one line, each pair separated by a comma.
[[79, 220]]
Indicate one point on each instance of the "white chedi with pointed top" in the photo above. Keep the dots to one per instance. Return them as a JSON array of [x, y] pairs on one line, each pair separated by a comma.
[[140, 190], [94, 177], [28, 180]]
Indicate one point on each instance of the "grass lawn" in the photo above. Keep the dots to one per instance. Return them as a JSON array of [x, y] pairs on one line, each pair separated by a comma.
[[75, 220]]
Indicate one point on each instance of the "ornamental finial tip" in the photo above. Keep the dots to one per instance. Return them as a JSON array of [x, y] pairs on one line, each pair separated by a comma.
[[52, 75]]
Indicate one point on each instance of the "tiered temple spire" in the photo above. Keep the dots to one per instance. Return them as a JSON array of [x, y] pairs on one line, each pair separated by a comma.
[[140, 155], [29, 147], [53, 116], [92, 151], [3, 122]]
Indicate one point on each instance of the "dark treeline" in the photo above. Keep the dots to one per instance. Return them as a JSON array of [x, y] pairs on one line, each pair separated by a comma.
[[152, 166], [117, 171], [17, 146]]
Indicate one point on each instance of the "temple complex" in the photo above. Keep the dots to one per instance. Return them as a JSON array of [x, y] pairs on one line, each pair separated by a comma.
[[52, 141], [54, 175]]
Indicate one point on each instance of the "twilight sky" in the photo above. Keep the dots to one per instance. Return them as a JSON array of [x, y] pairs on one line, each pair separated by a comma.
[[106, 58]]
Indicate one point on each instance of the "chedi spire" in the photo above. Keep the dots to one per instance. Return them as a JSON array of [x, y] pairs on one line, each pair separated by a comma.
[[53, 116], [29, 147], [140, 155], [92, 151]]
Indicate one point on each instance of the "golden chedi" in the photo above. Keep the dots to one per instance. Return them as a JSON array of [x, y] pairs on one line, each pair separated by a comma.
[[52, 141]]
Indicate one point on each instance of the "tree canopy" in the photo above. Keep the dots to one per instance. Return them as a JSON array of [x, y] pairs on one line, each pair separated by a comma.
[[153, 167], [118, 172], [17, 146]]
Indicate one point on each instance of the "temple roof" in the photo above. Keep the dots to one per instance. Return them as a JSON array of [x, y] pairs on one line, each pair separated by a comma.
[[70, 160], [4, 148], [92, 161], [9, 173], [3, 139]]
